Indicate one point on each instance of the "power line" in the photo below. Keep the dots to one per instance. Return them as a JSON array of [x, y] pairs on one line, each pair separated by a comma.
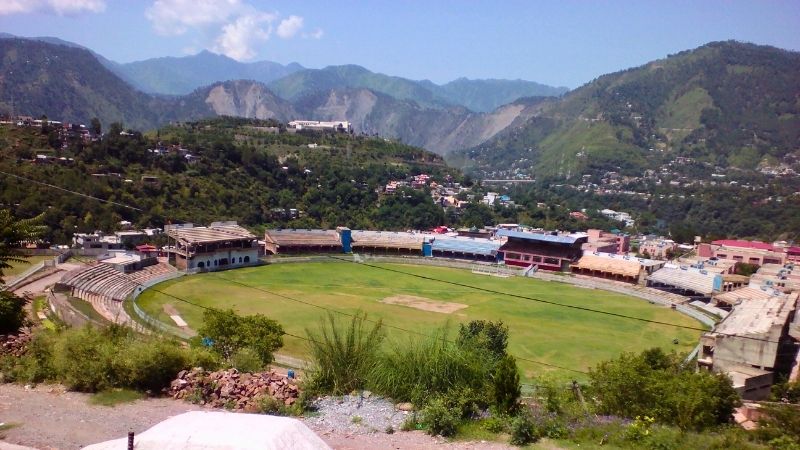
[[53, 186], [395, 327], [549, 302]]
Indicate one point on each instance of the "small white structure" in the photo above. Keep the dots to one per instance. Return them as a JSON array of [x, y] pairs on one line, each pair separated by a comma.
[[207, 430]]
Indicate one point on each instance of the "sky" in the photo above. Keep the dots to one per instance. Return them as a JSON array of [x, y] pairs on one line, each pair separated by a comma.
[[560, 43]]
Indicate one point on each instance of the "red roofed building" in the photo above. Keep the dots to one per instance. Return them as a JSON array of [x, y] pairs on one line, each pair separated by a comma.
[[750, 252], [793, 254]]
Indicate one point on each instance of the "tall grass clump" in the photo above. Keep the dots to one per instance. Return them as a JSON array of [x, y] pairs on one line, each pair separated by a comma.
[[416, 369], [344, 353]]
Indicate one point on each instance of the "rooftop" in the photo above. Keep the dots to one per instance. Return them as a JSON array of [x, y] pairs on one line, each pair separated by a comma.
[[209, 235], [758, 245], [541, 237], [757, 317]]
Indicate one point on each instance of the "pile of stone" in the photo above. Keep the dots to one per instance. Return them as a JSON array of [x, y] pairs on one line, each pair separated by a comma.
[[15, 344], [233, 390]]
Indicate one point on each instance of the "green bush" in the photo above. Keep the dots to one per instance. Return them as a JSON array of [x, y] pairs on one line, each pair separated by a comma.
[[343, 354], [439, 419], [506, 389], [12, 312], [496, 424], [230, 332], [416, 369], [658, 385], [90, 360], [522, 430], [246, 360]]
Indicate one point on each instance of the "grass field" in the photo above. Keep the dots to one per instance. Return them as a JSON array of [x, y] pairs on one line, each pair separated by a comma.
[[553, 334]]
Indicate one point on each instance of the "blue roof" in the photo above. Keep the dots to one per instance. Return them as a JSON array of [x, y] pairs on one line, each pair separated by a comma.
[[469, 245], [541, 237]]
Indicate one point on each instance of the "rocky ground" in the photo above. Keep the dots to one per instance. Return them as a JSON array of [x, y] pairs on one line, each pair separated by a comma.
[[47, 417]]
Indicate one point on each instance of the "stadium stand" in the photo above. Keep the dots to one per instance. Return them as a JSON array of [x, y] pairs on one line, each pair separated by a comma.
[[615, 267], [389, 241], [464, 247], [221, 245], [545, 251], [688, 281], [106, 287], [301, 240]]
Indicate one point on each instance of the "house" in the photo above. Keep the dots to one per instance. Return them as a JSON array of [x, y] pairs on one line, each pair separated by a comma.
[[545, 251], [750, 252]]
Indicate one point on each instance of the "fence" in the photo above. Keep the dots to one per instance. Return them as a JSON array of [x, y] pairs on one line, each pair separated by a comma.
[[22, 279], [151, 321]]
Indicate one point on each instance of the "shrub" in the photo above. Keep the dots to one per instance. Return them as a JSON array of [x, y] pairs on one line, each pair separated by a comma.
[[639, 429], [89, 359], [522, 430], [485, 335], [230, 332], [12, 312], [343, 355], [506, 389], [439, 419], [496, 424], [416, 369], [246, 360], [657, 385]]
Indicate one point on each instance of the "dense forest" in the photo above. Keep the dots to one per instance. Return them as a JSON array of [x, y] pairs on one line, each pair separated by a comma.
[[238, 169]]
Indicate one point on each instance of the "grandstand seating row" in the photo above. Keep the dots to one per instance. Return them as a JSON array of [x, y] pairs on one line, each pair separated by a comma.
[[466, 246], [388, 239], [688, 279], [105, 287]]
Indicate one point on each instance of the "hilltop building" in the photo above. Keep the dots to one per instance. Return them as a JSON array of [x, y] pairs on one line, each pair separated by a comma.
[[221, 245], [341, 126]]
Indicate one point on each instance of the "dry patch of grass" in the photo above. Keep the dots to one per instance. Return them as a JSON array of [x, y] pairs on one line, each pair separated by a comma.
[[425, 304]]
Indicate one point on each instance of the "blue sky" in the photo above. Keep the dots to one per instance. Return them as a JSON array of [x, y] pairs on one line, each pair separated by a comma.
[[565, 43]]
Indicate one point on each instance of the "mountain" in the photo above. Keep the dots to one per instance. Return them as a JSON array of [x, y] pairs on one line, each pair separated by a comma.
[[68, 83], [237, 98], [179, 76], [729, 104], [487, 95], [475, 95], [107, 63], [313, 81]]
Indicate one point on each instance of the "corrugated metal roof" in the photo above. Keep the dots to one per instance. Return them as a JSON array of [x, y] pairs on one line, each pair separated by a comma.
[[203, 235], [541, 237], [475, 246]]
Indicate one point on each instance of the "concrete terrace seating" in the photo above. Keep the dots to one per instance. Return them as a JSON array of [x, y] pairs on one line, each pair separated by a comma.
[[106, 288], [687, 279], [387, 240], [465, 245], [302, 239], [617, 266]]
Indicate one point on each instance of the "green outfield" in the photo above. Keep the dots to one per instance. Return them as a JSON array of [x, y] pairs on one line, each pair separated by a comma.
[[543, 332]]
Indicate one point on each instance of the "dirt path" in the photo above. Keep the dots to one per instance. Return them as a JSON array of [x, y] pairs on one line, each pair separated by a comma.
[[47, 417]]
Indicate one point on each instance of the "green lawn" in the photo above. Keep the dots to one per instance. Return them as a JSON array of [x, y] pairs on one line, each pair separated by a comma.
[[17, 268], [549, 333]]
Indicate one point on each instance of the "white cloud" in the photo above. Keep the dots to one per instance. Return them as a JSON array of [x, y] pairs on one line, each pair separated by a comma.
[[232, 27], [316, 34], [239, 38], [289, 27], [175, 17], [60, 7]]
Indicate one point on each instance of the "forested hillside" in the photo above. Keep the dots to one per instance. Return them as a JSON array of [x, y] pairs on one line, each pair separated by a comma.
[[727, 103], [238, 171]]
